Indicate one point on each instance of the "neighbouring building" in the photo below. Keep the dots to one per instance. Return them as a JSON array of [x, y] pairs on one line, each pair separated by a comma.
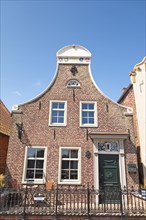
[[5, 129], [72, 134], [135, 96]]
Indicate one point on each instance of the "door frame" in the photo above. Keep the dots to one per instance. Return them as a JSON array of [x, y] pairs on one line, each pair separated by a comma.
[[120, 152]]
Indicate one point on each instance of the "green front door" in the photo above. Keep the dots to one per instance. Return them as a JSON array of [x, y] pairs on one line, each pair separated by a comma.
[[109, 181]]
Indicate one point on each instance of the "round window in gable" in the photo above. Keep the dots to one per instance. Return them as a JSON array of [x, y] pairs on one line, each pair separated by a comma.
[[73, 83]]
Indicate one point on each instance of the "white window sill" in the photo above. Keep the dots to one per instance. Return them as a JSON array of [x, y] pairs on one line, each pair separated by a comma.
[[69, 182], [57, 125], [89, 126], [34, 182]]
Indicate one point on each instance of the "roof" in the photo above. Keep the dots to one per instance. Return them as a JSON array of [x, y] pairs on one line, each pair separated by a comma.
[[73, 51], [5, 119], [124, 93], [74, 54], [140, 63], [119, 135], [130, 86]]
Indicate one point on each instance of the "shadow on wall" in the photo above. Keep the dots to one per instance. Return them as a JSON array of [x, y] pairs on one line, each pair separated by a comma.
[[131, 159], [144, 168], [140, 167], [22, 135], [10, 181]]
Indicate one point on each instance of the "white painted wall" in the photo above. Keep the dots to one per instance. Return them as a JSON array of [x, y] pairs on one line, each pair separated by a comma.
[[139, 86]]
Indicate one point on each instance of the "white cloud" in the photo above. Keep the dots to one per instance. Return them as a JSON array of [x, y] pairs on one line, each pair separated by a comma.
[[37, 84], [17, 93]]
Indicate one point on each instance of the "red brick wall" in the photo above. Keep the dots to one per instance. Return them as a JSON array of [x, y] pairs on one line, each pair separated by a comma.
[[3, 152], [37, 132], [5, 120], [5, 128], [129, 100]]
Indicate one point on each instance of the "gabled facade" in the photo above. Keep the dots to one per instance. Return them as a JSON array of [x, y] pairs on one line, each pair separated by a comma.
[[5, 129], [135, 97], [72, 134]]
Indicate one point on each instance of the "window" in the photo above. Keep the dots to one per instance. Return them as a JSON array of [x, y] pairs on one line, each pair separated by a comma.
[[34, 165], [58, 114], [73, 83], [88, 114], [70, 165]]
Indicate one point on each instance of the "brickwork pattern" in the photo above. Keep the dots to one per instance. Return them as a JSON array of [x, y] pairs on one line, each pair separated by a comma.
[[37, 132], [128, 99], [5, 119], [4, 140], [5, 128]]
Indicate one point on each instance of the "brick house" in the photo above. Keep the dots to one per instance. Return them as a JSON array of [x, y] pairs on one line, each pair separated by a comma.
[[5, 128], [135, 96], [72, 134]]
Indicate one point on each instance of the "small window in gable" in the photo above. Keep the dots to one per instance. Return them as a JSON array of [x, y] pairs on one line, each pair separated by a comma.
[[73, 83]]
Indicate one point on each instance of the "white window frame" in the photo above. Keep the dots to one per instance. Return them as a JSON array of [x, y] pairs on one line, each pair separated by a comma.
[[72, 181], [95, 114], [35, 181], [65, 113], [73, 83]]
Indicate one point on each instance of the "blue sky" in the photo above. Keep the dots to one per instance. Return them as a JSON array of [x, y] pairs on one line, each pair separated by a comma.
[[33, 31]]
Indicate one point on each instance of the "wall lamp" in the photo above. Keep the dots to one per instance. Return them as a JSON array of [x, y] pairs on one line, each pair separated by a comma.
[[88, 154], [20, 129]]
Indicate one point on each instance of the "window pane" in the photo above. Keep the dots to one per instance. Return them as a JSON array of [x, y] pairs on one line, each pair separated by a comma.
[[74, 174], [65, 164], [91, 106], [91, 120], [31, 152], [74, 164], [30, 174], [54, 120], [39, 163], [61, 113], [91, 114], [65, 153], [39, 174], [40, 153], [61, 105], [84, 114], [84, 120], [54, 113], [60, 120], [74, 153], [54, 105], [84, 106], [65, 174], [30, 163]]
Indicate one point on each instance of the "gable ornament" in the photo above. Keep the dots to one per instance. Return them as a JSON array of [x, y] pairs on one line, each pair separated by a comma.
[[74, 70]]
